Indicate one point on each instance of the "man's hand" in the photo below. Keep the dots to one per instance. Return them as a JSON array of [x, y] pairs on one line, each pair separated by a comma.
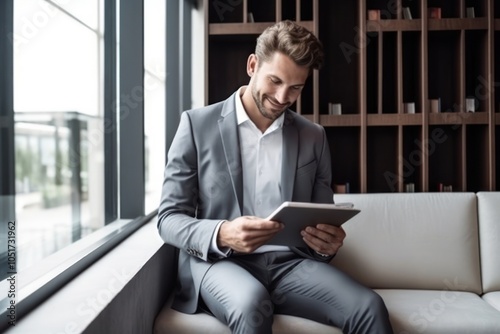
[[246, 234], [324, 239]]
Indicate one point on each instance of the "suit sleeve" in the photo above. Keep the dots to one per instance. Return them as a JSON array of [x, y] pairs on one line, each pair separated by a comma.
[[177, 222], [323, 192]]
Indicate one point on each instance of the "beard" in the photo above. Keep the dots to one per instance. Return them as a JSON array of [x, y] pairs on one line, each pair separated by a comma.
[[259, 99]]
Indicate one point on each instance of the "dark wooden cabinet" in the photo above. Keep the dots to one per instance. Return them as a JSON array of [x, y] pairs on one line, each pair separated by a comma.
[[387, 74]]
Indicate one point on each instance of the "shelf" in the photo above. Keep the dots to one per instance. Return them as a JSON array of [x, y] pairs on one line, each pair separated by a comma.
[[393, 25], [458, 118], [394, 119], [254, 28], [374, 67], [458, 24], [339, 120]]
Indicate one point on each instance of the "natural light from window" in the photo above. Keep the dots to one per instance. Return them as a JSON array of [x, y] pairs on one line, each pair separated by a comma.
[[59, 142]]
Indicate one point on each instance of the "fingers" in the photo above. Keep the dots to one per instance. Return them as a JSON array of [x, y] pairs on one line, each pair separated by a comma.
[[256, 223], [323, 238], [247, 233]]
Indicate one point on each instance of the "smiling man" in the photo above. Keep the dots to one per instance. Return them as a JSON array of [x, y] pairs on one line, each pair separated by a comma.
[[229, 166]]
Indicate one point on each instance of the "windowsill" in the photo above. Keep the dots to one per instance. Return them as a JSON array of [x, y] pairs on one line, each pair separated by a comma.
[[128, 272]]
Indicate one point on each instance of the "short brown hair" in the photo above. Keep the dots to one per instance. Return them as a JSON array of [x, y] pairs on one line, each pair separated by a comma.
[[292, 40]]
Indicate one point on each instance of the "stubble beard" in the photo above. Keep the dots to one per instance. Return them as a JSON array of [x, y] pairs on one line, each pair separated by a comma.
[[260, 105]]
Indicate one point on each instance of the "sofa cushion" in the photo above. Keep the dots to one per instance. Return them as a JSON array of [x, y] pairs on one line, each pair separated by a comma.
[[441, 312], [172, 321], [489, 236], [412, 241], [493, 298]]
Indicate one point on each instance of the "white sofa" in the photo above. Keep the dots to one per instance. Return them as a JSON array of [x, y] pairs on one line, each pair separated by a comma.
[[433, 257]]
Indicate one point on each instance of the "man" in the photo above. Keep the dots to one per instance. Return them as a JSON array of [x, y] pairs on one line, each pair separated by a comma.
[[230, 165]]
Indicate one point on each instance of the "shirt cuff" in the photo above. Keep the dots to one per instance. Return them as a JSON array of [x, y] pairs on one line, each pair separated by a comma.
[[225, 251]]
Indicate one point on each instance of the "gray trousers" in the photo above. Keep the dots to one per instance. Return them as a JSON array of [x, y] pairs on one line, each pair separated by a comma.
[[245, 291]]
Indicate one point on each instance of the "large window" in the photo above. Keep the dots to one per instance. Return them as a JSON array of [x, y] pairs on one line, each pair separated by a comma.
[[85, 101], [58, 113]]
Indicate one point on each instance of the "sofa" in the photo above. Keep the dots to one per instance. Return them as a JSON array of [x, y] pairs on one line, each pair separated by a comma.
[[433, 257]]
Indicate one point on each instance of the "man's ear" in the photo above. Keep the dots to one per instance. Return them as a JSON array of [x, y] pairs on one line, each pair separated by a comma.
[[252, 64]]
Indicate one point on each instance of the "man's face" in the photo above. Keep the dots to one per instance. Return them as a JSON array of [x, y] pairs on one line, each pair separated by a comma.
[[276, 84]]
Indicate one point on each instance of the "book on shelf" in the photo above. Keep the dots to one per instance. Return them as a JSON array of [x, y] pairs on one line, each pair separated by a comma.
[[334, 108], [410, 187], [470, 104], [445, 187], [409, 107], [470, 12], [407, 13], [434, 12], [373, 14], [250, 18], [435, 105], [341, 188]]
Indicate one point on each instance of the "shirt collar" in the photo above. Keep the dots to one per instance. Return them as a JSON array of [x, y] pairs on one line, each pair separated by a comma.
[[242, 116]]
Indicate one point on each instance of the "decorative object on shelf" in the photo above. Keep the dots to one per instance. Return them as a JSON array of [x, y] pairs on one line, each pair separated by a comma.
[[334, 108], [470, 12], [407, 13], [470, 104], [445, 188], [410, 187], [250, 17], [434, 12], [435, 105], [373, 14], [409, 108], [341, 188]]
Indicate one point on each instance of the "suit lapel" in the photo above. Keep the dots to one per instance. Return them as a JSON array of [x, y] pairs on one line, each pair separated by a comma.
[[290, 154], [230, 142]]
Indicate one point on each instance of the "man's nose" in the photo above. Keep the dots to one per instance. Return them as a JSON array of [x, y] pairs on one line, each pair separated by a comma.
[[281, 95]]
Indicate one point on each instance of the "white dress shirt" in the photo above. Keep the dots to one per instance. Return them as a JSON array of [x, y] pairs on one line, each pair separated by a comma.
[[261, 159]]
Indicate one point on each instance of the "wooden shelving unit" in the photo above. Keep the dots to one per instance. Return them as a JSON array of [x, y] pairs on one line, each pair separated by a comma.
[[375, 67]]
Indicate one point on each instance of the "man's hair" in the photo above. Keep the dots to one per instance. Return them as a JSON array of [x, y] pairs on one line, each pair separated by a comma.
[[292, 40]]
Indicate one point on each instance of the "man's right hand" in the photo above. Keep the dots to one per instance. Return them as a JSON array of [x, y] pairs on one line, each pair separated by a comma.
[[246, 234]]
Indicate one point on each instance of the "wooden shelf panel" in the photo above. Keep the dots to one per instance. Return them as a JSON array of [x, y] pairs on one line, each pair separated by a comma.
[[458, 24], [433, 24], [393, 25], [393, 119], [458, 118], [339, 120], [254, 28]]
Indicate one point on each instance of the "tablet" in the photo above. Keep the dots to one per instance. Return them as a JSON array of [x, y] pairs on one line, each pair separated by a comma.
[[296, 216]]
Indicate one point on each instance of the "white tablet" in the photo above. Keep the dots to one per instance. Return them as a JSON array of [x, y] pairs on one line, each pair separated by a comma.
[[296, 216]]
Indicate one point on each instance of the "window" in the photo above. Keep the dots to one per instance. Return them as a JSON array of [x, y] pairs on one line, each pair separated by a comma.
[[82, 163], [58, 114]]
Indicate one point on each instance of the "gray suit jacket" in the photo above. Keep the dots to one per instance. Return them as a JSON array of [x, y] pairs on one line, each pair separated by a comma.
[[203, 184]]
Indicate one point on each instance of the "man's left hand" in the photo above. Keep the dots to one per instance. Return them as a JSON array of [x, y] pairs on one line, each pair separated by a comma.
[[323, 238]]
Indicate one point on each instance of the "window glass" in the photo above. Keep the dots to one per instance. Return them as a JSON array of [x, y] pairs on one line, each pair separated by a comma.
[[86, 11], [154, 99], [58, 125]]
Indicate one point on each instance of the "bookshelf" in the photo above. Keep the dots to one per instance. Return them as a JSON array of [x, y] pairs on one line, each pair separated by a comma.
[[388, 74]]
